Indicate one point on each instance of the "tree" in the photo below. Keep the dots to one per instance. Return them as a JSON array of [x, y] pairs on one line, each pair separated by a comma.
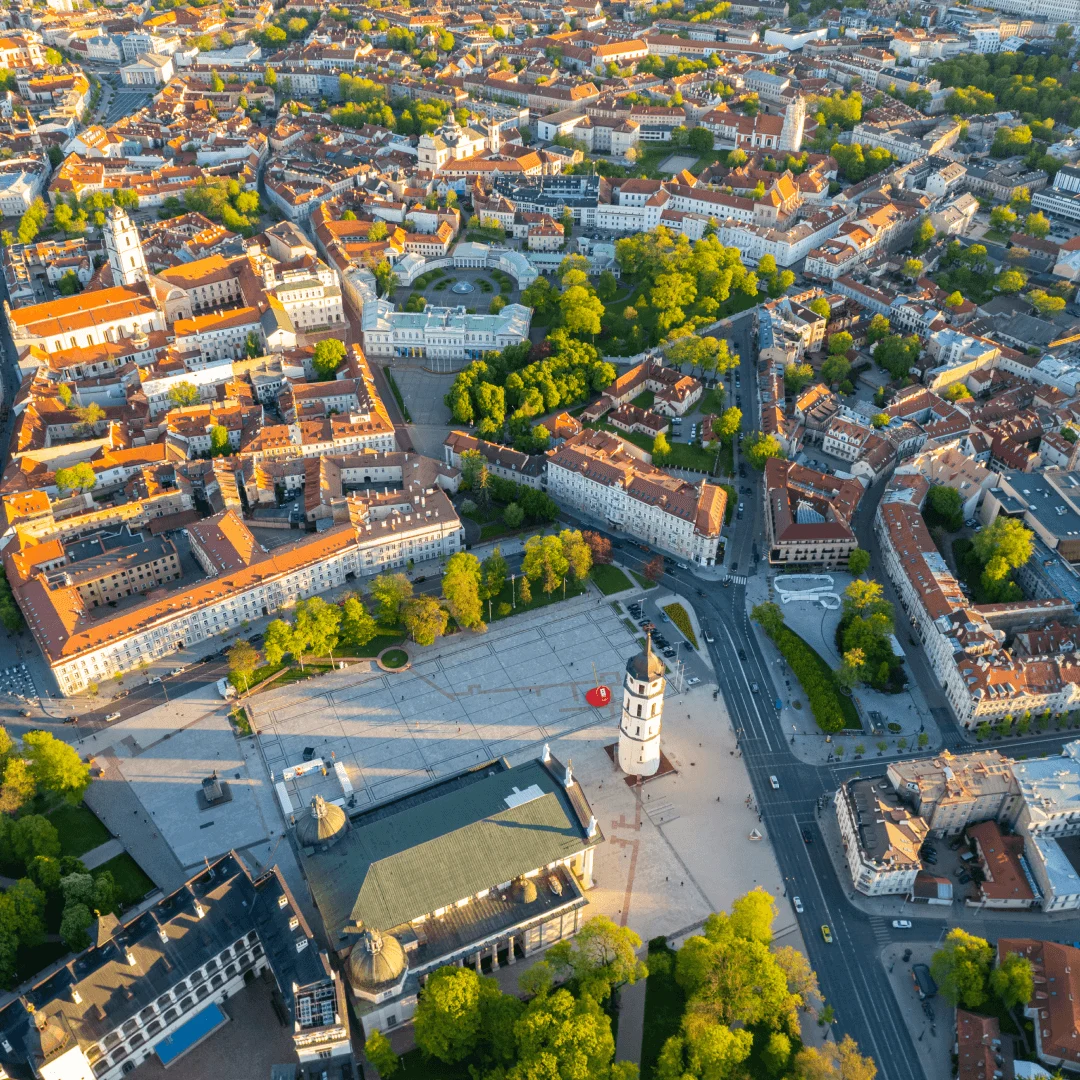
[[704, 1051], [1037, 225], [1005, 538], [797, 377], [581, 310], [820, 306], [219, 440], [1002, 219], [56, 766], [701, 141], [183, 394], [327, 358], [425, 619], [912, 268], [859, 562], [315, 627], [277, 641], [896, 354], [461, 587], [728, 424], [89, 417], [493, 572], [1012, 982], [390, 592], [357, 625], [602, 957], [835, 369], [243, 660], [924, 236], [377, 1048], [544, 558], [661, 449], [34, 835], [524, 590], [385, 278], [513, 515], [74, 924], [840, 344], [79, 477], [955, 299], [19, 786], [777, 1053], [577, 552], [1010, 281], [69, 284], [878, 328], [600, 546], [447, 1018], [947, 506], [880, 420], [760, 447], [654, 569], [1045, 304], [961, 968], [834, 1061]]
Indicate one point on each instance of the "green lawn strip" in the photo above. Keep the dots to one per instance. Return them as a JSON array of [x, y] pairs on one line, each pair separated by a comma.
[[679, 616], [713, 403], [240, 720], [131, 883], [406, 415], [995, 236], [643, 581], [79, 828], [630, 626], [610, 579], [664, 1005], [539, 597]]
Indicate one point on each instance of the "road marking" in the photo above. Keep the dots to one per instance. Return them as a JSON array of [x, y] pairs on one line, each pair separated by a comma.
[[751, 697]]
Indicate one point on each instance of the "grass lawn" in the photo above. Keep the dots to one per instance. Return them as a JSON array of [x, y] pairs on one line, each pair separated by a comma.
[[395, 658], [683, 455], [79, 828], [995, 236], [664, 1004], [610, 579], [131, 882], [644, 400], [713, 402], [414, 1066], [643, 581], [539, 597]]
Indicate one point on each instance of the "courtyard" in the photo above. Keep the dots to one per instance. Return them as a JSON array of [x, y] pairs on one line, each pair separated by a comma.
[[473, 290]]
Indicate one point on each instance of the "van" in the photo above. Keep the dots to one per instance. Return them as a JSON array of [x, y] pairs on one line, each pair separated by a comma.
[[226, 689]]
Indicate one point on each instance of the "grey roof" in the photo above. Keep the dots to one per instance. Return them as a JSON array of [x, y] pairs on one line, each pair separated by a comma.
[[448, 842]]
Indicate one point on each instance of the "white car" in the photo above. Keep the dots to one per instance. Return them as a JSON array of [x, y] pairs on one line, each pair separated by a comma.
[[775, 783], [693, 682], [797, 904], [901, 924], [111, 717]]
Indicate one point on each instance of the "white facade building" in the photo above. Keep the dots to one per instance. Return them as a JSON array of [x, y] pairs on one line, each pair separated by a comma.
[[447, 333], [642, 713]]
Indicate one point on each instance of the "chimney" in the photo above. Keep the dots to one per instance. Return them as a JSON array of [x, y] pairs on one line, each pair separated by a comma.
[[130, 957], [76, 997]]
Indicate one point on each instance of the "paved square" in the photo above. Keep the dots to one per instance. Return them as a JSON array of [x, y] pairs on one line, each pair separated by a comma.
[[464, 702], [167, 775], [676, 163]]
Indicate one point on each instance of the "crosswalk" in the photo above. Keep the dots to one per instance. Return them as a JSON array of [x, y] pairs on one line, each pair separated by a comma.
[[881, 930], [736, 579]]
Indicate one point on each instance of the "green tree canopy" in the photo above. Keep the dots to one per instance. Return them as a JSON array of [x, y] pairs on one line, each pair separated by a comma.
[[327, 358], [961, 968], [78, 477]]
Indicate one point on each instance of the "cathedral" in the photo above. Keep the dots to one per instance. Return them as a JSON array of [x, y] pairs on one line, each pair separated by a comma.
[[642, 713]]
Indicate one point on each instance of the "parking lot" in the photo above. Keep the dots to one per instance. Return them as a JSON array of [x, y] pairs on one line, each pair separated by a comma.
[[16, 685]]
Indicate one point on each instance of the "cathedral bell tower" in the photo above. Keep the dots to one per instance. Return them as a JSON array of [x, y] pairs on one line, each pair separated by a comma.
[[642, 713], [123, 248]]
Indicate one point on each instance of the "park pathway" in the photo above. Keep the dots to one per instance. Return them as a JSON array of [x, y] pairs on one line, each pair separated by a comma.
[[631, 1022], [102, 854]]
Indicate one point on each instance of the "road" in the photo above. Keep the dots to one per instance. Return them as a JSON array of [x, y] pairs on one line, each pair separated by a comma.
[[851, 978]]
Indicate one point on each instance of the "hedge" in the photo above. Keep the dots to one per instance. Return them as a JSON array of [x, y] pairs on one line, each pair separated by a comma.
[[832, 711], [677, 614]]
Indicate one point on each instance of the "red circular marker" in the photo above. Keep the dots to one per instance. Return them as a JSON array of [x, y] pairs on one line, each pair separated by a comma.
[[598, 695]]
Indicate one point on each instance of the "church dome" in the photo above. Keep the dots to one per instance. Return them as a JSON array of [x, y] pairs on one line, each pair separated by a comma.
[[646, 666], [376, 963], [322, 825], [524, 891]]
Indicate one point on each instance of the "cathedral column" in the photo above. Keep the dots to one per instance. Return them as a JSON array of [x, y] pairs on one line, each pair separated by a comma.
[[511, 958], [495, 957], [476, 960]]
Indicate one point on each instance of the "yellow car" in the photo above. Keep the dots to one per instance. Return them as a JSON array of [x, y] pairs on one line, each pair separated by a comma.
[[826, 933]]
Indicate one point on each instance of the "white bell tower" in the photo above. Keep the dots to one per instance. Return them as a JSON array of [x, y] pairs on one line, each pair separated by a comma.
[[791, 135], [123, 248], [642, 713]]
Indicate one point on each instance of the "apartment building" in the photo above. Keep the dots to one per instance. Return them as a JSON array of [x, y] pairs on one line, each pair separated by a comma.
[[155, 983], [502, 461], [1056, 971], [881, 837], [808, 515], [84, 644], [609, 479], [952, 791]]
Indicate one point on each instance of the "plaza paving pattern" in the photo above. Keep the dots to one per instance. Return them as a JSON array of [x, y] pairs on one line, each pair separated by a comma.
[[476, 698]]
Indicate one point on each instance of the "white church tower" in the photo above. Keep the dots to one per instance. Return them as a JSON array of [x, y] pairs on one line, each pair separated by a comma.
[[791, 135], [123, 248], [642, 713]]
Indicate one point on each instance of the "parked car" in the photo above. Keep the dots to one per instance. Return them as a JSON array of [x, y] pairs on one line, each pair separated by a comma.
[[669, 653], [797, 904], [111, 717]]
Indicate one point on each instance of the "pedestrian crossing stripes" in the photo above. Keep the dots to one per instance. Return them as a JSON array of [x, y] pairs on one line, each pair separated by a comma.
[[881, 931], [736, 579]]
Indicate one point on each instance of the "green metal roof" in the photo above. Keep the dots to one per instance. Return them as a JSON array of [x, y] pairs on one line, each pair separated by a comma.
[[436, 851]]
